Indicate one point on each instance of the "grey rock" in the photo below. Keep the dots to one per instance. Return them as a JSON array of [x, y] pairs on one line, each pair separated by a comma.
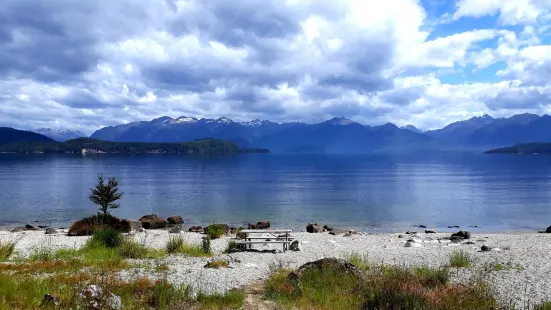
[[50, 231], [295, 246], [135, 225], [341, 265], [93, 297], [485, 248], [430, 231], [30, 227], [175, 230], [328, 228], [400, 236]]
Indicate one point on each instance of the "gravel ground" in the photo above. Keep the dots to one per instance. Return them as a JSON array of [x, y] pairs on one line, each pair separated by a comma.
[[528, 282]]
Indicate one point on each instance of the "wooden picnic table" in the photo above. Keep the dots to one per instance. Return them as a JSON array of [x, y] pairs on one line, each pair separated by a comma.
[[249, 240]]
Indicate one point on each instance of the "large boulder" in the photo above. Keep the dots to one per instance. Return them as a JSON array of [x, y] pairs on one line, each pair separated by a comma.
[[175, 220], [314, 228], [462, 234], [152, 221], [548, 230], [260, 225]]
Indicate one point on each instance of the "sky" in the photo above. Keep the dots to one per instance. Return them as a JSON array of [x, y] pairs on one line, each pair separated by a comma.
[[89, 64]]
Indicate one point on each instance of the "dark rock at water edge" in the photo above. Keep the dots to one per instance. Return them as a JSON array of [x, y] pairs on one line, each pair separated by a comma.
[[430, 231], [327, 228], [152, 221], [196, 229], [314, 228], [42, 226], [260, 225], [175, 219], [30, 227], [453, 226], [548, 230], [462, 234]]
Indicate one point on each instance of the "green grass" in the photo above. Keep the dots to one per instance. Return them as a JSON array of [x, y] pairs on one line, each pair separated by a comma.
[[7, 248], [460, 259], [178, 245], [497, 266], [134, 250], [359, 261], [232, 299], [543, 306], [42, 254], [232, 245], [379, 287], [108, 237]]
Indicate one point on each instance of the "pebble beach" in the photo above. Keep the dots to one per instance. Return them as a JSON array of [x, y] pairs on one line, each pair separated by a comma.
[[526, 278]]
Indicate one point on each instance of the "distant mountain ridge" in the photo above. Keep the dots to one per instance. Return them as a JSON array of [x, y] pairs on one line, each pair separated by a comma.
[[486, 132], [60, 135], [11, 135], [337, 135]]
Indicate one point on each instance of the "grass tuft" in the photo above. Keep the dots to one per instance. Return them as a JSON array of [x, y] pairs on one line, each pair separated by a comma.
[[107, 237], [359, 261], [216, 264], [460, 259], [178, 245], [7, 248], [232, 299]]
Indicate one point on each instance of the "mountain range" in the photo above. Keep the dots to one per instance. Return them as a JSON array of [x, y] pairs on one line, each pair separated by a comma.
[[337, 135], [60, 135]]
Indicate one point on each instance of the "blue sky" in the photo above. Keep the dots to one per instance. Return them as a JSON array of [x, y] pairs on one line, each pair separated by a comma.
[[85, 65]]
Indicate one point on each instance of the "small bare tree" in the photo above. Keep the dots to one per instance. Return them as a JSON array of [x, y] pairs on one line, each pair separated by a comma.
[[105, 195]]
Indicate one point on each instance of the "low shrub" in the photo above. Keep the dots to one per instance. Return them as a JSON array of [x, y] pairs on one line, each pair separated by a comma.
[[7, 248], [87, 225], [174, 244], [216, 231], [134, 250], [232, 246], [205, 245]]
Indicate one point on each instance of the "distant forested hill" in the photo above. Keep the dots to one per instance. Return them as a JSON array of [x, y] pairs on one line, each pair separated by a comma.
[[528, 148], [88, 145], [10, 135]]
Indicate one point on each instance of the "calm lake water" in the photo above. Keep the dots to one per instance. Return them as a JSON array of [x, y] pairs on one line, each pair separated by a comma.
[[371, 193]]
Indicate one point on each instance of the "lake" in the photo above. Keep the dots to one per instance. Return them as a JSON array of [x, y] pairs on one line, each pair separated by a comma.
[[369, 193]]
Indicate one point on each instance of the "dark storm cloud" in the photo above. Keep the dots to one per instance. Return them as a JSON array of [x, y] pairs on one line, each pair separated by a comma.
[[402, 96], [57, 40], [237, 24]]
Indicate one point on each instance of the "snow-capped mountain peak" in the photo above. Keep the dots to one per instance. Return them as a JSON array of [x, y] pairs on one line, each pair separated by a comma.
[[184, 120]]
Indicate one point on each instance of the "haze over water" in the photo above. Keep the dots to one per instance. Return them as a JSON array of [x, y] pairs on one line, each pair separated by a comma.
[[369, 193]]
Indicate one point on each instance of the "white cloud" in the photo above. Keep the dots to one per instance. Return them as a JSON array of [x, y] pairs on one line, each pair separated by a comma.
[[511, 12], [373, 61]]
